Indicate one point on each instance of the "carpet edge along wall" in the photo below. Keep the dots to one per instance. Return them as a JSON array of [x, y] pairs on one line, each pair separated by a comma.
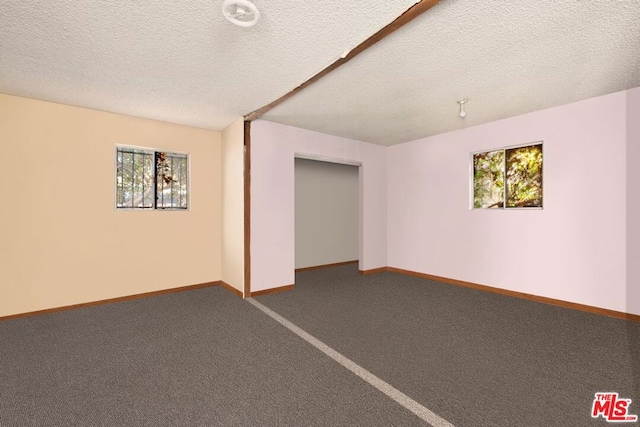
[[446, 280], [513, 294], [113, 300]]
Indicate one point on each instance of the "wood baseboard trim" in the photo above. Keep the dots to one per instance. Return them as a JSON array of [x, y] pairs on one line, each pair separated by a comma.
[[521, 295], [272, 290], [112, 300], [373, 271], [317, 267], [231, 289]]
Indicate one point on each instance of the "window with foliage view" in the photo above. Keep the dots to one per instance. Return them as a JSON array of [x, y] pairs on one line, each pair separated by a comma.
[[510, 178], [147, 179]]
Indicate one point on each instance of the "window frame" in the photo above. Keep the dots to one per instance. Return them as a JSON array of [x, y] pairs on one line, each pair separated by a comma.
[[153, 152], [504, 168]]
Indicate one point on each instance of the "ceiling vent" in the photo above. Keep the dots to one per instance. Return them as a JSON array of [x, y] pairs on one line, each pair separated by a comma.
[[241, 12]]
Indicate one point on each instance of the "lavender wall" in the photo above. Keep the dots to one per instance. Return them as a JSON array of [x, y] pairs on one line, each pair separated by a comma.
[[633, 202], [574, 249], [273, 149]]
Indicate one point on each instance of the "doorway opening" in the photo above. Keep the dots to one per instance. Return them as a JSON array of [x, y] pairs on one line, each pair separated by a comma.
[[327, 213]]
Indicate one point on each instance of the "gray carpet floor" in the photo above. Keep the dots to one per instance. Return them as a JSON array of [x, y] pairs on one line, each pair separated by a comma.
[[198, 358], [474, 358], [208, 358]]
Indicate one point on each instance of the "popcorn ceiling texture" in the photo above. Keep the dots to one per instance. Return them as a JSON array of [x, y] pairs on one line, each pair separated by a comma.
[[176, 61], [183, 62], [507, 57]]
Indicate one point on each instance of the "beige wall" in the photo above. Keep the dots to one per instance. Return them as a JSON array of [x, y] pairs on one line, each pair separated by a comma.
[[62, 240], [233, 205]]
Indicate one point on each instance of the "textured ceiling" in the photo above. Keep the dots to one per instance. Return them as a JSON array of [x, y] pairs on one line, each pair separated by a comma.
[[177, 61], [507, 57], [182, 62]]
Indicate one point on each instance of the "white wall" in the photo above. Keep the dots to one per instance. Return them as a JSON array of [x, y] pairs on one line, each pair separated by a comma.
[[233, 205], [273, 147], [573, 250], [633, 201], [326, 213]]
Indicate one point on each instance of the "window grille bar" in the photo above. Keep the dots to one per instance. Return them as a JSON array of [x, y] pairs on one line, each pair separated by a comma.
[[155, 184], [121, 181], [162, 186], [172, 190], [130, 157], [133, 180], [150, 178], [142, 195]]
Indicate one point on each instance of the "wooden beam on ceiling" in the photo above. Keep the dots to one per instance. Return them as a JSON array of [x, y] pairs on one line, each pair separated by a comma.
[[407, 16]]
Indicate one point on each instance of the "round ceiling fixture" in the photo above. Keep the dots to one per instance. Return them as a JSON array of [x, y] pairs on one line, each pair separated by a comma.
[[241, 12]]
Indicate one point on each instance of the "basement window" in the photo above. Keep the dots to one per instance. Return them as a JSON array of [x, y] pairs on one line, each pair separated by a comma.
[[508, 178], [150, 179]]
